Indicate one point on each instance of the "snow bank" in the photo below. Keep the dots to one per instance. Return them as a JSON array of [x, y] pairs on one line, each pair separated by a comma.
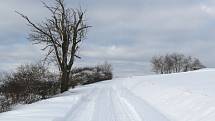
[[185, 96]]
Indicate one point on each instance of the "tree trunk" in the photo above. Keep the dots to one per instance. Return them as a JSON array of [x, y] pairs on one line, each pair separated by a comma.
[[64, 81]]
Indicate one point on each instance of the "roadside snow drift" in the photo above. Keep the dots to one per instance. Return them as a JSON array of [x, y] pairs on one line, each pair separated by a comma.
[[175, 97]]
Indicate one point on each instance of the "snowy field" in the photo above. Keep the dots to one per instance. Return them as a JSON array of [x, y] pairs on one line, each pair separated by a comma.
[[176, 97]]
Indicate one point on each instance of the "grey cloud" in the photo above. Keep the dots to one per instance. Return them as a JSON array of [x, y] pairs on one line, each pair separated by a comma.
[[127, 33]]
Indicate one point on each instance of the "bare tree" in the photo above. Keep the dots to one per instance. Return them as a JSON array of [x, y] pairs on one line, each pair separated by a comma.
[[197, 64], [61, 34], [158, 64], [174, 63]]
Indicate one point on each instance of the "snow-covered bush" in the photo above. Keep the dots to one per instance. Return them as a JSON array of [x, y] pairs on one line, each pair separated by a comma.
[[29, 83], [88, 75], [4, 104]]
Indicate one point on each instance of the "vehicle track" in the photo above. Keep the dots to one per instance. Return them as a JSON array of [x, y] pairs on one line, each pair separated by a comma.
[[144, 109], [112, 103]]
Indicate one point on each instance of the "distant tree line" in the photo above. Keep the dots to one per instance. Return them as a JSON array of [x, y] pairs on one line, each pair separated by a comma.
[[173, 63]]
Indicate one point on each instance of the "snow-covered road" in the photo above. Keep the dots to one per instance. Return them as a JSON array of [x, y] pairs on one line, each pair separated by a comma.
[[108, 102], [175, 97]]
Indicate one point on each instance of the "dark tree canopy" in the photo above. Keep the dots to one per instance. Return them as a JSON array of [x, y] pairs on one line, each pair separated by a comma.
[[61, 34]]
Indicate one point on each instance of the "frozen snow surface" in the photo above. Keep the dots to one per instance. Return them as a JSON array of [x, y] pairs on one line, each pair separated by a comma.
[[186, 96]]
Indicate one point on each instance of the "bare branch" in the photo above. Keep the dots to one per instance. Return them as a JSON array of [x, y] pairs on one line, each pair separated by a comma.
[[61, 34], [31, 23]]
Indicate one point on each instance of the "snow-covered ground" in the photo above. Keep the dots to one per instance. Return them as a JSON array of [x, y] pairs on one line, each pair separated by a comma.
[[175, 97]]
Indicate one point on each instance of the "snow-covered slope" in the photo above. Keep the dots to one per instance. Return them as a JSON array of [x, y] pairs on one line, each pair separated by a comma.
[[175, 97]]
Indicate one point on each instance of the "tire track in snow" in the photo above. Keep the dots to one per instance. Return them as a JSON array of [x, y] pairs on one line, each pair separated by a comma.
[[104, 107], [112, 103], [126, 112], [145, 110], [110, 107], [82, 111]]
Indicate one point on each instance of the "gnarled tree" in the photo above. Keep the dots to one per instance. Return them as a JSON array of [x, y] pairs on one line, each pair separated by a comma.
[[61, 34]]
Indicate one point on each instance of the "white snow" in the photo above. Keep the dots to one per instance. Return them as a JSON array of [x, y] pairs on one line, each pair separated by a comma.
[[173, 97]]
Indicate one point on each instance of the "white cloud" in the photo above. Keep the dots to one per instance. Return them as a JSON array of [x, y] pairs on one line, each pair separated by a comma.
[[208, 9]]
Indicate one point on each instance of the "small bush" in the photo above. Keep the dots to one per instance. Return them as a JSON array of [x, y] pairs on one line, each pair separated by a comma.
[[88, 75]]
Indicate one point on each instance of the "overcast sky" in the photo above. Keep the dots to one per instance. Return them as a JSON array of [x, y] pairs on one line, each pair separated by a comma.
[[126, 33]]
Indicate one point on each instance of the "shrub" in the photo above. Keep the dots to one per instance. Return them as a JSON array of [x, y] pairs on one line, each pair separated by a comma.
[[29, 83], [88, 75], [4, 104]]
